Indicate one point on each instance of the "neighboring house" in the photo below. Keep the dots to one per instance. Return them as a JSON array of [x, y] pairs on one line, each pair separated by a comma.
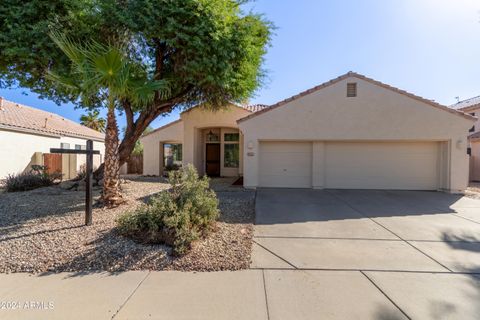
[[349, 133], [472, 107], [27, 134]]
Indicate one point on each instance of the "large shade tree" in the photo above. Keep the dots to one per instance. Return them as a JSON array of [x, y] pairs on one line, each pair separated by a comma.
[[105, 74], [93, 121], [208, 51]]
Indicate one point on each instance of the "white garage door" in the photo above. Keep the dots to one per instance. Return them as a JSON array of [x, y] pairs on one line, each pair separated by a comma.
[[285, 164], [409, 166]]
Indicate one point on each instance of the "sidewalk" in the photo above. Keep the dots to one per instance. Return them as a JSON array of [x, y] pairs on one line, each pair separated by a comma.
[[291, 294]]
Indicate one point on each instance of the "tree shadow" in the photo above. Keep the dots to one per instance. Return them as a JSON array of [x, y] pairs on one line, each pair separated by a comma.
[[384, 313], [114, 253], [467, 247], [284, 206], [17, 209]]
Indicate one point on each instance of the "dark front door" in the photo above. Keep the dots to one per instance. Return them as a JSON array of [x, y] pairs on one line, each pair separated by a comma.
[[213, 159]]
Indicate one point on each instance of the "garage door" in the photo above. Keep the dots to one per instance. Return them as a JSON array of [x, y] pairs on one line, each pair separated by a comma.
[[285, 164], [409, 166]]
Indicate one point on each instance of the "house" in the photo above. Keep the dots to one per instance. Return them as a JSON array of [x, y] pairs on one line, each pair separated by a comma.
[[27, 134], [472, 107], [352, 132]]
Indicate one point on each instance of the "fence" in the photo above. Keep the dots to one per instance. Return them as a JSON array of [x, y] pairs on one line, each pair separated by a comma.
[[135, 164]]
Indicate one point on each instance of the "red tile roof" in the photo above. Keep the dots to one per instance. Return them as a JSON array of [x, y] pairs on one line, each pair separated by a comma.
[[16, 117], [255, 107], [467, 104]]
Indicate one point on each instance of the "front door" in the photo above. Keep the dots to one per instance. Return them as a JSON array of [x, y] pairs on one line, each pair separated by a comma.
[[213, 159]]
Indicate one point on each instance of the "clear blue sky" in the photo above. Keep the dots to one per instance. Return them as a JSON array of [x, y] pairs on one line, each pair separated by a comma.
[[427, 47]]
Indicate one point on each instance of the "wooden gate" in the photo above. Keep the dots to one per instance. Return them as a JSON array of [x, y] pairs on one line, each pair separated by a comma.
[[53, 162], [135, 164]]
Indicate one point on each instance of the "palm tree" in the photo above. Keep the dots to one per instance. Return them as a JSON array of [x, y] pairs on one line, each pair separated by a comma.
[[93, 121], [105, 73]]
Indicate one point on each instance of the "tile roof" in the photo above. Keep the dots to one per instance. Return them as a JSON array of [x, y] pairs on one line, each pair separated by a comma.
[[255, 107], [17, 117], [362, 77], [474, 136], [467, 103]]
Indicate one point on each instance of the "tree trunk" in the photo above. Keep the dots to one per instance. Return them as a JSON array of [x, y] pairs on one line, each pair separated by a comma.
[[133, 132], [111, 178]]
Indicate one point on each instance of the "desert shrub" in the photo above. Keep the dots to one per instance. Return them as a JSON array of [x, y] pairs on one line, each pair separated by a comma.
[[37, 177], [81, 173], [176, 217]]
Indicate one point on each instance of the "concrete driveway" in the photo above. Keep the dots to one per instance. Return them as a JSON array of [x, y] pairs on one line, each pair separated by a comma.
[[318, 255], [385, 254]]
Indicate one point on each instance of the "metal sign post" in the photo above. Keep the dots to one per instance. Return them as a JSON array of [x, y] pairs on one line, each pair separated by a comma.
[[89, 176]]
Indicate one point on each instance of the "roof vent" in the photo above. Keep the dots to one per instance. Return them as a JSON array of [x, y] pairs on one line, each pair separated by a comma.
[[351, 89]]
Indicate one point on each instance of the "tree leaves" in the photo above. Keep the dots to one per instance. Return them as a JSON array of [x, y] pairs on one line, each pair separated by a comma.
[[206, 50]]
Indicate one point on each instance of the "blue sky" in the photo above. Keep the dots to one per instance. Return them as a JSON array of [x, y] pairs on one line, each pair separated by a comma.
[[427, 47]]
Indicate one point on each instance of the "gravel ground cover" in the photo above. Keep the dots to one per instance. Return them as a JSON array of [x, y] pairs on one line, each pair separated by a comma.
[[42, 230], [473, 190]]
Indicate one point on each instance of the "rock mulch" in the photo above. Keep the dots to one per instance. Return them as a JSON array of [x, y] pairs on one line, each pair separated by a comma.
[[42, 231], [473, 190]]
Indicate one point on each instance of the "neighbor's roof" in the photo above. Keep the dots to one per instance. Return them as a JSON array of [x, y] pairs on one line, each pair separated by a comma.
[[474, 136], [255, 107], [467, 104], [362, 77], [17, 117]]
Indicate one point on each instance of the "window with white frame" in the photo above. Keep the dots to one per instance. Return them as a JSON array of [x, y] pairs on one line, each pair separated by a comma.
[[231, 150]]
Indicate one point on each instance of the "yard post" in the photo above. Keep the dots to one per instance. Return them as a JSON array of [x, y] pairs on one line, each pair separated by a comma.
[[89, 184]]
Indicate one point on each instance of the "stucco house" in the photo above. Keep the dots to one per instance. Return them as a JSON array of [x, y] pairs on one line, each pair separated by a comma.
[[351, 132], [27, 134], [472, 107]]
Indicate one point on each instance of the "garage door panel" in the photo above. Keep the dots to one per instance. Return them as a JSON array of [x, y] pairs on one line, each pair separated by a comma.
[[285, 164], [382, 165]]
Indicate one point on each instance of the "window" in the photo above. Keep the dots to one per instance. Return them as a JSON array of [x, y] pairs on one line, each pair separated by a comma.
[[80, 147], [172, 155], [64, 145], [469, 151], [351, 89], [231, 155], [472, 129], [235, 137]]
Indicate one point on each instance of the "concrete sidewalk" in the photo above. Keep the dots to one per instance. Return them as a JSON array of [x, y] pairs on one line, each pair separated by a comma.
[[251, 295], [317, 255]]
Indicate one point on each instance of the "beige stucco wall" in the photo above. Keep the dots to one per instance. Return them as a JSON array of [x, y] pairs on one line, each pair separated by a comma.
[[475, 146], [197, 119], [376, 114], [19, 150], [475, 161], [171, 133], [475, 111], [190, 131]]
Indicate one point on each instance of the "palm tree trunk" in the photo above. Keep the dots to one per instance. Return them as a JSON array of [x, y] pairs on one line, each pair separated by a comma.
[[111, 191]]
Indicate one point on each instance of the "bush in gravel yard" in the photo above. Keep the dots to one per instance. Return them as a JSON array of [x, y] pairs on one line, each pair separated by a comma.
[[36, 178], [176, 217]]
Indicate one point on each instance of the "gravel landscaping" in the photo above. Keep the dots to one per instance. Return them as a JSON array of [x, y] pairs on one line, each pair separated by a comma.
[[42, 230], [473, 190]]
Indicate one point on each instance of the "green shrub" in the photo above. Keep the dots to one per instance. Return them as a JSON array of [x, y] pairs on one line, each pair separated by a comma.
[[176, 217], [36, 178]]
